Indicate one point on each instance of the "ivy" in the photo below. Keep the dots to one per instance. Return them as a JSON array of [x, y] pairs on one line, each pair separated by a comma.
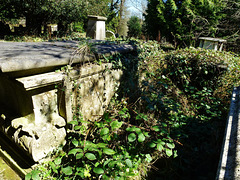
[[168, 109]]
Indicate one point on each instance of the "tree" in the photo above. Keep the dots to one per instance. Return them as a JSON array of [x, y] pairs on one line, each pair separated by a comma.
[[183, 21], [36, 12], [134, 27], [229, 25], [41, 12]]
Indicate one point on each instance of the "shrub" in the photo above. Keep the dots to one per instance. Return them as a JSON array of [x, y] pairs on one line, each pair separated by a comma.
[[171, 108]]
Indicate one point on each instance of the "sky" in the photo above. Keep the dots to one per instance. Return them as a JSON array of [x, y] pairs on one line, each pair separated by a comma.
[[135, 7]]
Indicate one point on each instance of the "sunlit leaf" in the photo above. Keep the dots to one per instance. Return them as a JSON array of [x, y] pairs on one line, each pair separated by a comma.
[[76, 128], [28, 176], [58, 160], [152, 144], [148, 158], [67, 170], [138, 131], [141, 137], [98, 170], [129, 163], [79, 155], [169, 152], [116, 124], [74, 122], [159, 147], [171, 145], [90, 156], [132, 137], [35, 175], [101, 145], [108, 151], [104, 131], [156, 128], [75, 142], [75, 151]]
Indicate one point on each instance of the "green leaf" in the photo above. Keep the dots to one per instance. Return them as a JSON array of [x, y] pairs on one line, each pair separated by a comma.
[[106, 162], [75, 142], [98, 170], [156, 128], [90, 156], [74, 122], [169, 152], [129, 163], [151, 144], [35, 175], [75, 151], [141, 137], [159, 141], [138, 131], [159, 147], [104, 131], [28, 176], [132, 137], [121, 112], [146, 134], [53, 166], [148, 158], [58, 160], [112, 164], [131, 129], [79, 155], [76, 128], [67, 170], [101, 145], [116, 125], [171, 145], [175, 154], [108, 151]]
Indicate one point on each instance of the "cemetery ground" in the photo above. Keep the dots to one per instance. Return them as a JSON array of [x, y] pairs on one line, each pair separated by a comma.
[[166, 121]]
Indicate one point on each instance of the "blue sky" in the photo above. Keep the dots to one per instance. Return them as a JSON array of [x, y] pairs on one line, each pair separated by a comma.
[[134, 6]]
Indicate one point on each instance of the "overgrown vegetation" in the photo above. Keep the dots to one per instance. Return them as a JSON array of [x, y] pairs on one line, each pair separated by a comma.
[[72, 36], [166, 120]]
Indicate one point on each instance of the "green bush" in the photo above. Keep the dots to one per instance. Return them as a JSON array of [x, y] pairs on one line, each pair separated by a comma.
[[134, 27]]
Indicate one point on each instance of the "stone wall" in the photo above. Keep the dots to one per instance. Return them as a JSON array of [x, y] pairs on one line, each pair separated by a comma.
[[36, 101], [35, 109]]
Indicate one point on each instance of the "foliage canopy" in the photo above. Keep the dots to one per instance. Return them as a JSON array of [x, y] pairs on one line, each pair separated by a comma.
[[63, 12], [182, 21], [134, 27]]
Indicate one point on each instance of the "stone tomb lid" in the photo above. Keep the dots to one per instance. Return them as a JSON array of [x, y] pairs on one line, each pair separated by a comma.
[[24, 56], [212, 39], [97, 18]]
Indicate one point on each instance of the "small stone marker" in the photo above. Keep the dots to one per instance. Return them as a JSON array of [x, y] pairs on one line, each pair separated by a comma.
[[96, 27]]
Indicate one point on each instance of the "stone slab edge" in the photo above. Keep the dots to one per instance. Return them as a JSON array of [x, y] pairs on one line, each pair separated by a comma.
[[227, 165], [20, 64]]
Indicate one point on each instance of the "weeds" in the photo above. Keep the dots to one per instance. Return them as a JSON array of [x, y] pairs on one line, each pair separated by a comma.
[[166, 120]]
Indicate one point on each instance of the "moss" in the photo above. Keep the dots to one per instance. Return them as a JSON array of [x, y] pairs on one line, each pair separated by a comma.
[[6, 172]]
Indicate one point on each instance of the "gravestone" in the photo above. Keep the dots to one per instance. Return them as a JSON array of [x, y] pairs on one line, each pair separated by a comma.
[[96, 27]]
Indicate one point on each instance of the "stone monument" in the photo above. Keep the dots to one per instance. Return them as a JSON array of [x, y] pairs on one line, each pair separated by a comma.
[[211, 43], [96, 27]]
